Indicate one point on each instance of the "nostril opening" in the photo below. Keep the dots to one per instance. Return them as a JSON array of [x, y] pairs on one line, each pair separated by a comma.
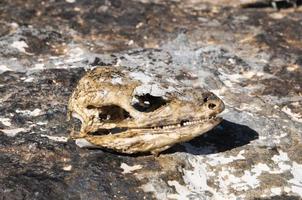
[[212, 106]]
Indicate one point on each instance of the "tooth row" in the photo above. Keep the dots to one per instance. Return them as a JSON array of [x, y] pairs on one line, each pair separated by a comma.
[[155, 128], [192, 122], [179, 125]]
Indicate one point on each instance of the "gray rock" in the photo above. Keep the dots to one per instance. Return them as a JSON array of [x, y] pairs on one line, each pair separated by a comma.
[[251, 58]]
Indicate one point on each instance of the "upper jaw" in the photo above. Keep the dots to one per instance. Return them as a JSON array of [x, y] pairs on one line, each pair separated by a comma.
[[183, 127], [160, 127], [179, 121], [167, 122]]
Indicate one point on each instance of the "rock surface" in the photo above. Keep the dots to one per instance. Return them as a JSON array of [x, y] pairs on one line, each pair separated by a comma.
[[250, 57]]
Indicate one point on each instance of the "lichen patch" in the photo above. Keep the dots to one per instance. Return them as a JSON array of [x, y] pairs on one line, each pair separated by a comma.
[[13, 132], [129, 169]]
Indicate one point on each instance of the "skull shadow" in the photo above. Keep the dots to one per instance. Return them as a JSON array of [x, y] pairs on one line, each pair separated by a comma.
[[224, 137]]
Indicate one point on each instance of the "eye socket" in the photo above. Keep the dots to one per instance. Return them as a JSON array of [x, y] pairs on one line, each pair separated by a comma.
[[147, 102]]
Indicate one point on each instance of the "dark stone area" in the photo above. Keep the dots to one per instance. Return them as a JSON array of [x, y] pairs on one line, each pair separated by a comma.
[[249, 55]]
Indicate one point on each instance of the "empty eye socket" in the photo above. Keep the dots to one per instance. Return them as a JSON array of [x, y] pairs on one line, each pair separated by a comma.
[[148, 103], [111, 113]]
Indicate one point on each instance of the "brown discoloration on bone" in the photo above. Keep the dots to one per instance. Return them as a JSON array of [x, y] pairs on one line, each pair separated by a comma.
[[104, 102]]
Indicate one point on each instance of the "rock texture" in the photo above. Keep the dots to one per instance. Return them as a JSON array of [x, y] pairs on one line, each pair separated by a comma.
[[250, 56]]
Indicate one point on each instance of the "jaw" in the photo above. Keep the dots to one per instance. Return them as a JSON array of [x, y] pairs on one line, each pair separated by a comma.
[[153, 139]]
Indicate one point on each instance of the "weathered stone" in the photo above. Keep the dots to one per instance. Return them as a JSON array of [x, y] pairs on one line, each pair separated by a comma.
[[248, 56]]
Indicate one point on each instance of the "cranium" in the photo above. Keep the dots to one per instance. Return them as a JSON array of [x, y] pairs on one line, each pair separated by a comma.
[[131, 111]]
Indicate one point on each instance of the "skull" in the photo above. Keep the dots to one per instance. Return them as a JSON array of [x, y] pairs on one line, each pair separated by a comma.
[[131, 111]]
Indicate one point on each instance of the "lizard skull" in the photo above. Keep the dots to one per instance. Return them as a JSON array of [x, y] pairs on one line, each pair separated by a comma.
[[132, 111]]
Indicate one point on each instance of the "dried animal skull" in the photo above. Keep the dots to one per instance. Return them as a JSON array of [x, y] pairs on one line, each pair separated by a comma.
[[134, 111]]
